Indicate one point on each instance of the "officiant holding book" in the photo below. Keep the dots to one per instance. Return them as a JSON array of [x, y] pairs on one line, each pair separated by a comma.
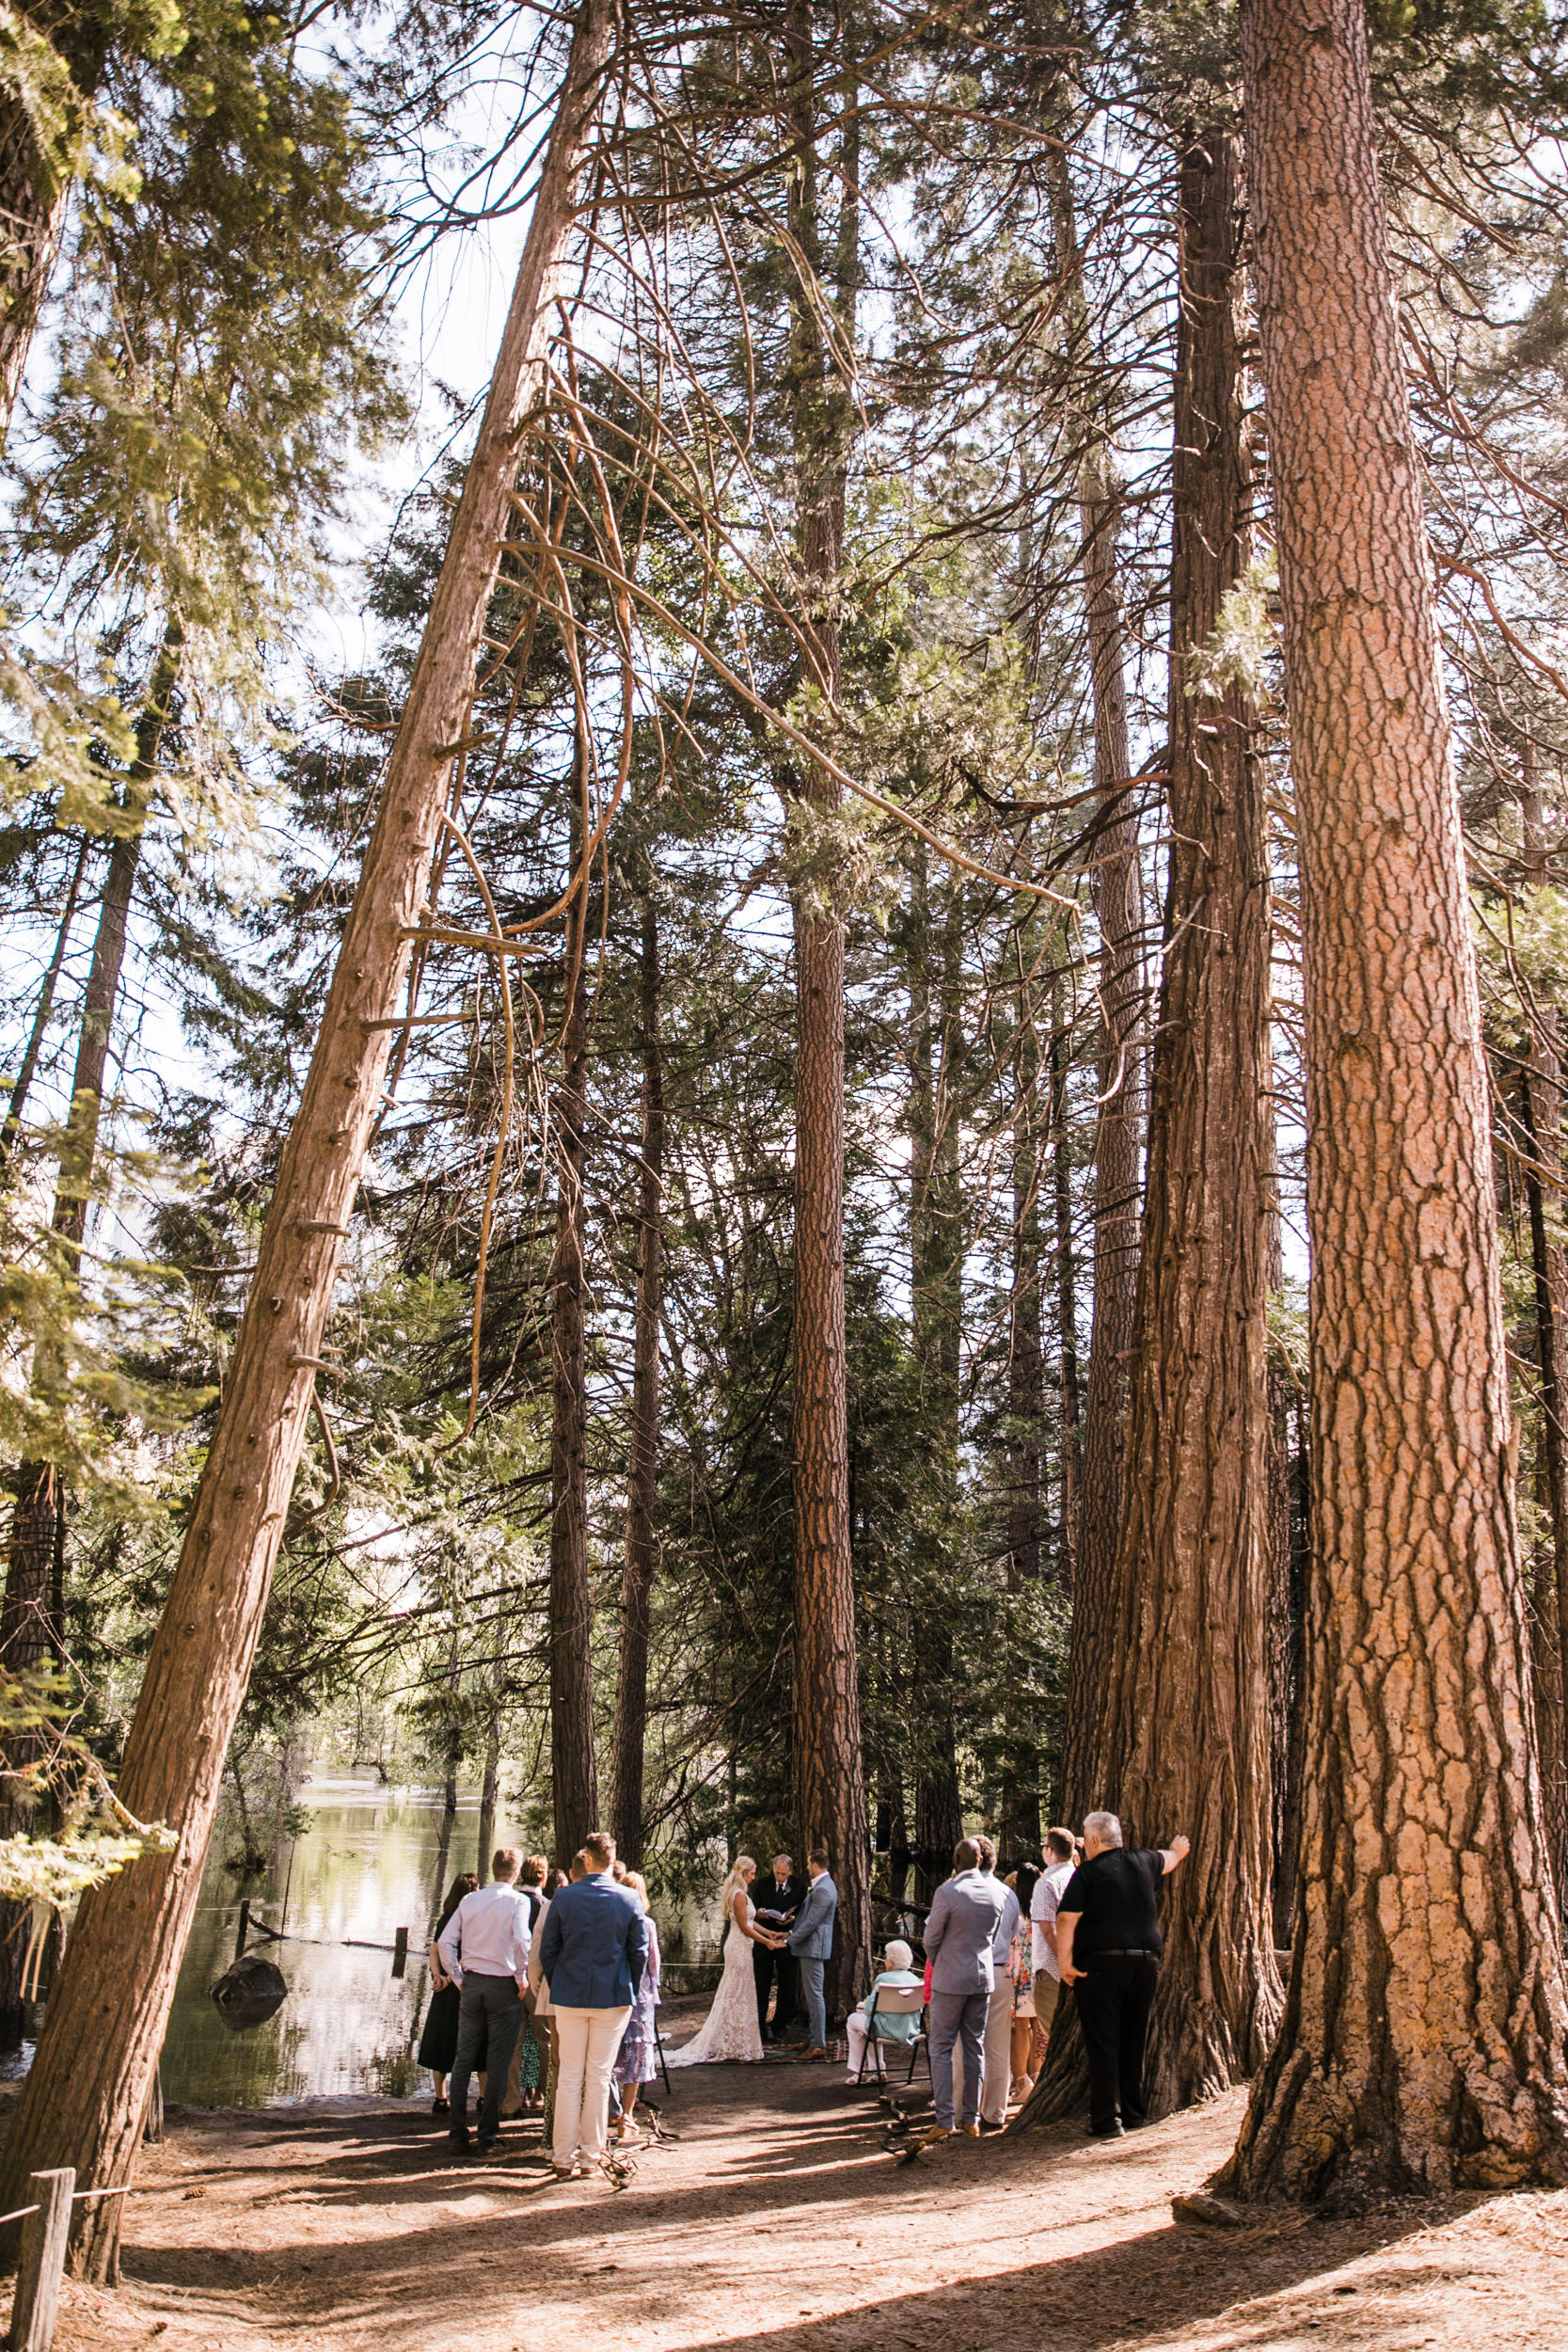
[[777, 1898]]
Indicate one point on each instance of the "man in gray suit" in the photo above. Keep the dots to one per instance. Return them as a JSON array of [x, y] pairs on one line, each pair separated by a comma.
[[960, 1934], [811, 1940]]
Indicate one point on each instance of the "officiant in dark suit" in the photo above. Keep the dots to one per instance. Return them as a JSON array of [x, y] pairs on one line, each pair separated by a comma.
[[777, 1900]]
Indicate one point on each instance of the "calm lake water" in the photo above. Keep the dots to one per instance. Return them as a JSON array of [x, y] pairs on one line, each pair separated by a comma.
[[368, 1861]]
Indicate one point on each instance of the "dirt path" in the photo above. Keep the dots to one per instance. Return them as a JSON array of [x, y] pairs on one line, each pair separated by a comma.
[[778, 2221]]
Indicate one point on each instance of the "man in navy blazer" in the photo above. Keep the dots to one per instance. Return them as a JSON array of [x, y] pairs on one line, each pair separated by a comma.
[[811, 1940], [593, 1950]]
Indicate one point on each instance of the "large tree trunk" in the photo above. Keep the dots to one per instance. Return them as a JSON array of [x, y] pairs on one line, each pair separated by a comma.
[[1423, 2041], [1119, 913], [1187, 1702], [84, 2100], [936, 1313], [1541, 1108], [1066, 1257], [1018, 1819], [636, 1576], [829, 1773], [573, 1777]]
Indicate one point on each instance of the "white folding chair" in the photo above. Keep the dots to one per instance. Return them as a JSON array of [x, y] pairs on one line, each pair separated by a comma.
[[892, 2000]]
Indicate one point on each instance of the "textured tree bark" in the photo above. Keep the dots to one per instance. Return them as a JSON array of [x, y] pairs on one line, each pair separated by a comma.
[[1067, 1303], [1019, 1820], [829, 1773], [1188, 1693], [35, 185], [1540, 1102], [573, 1778], [637, 1578], [84, 2100], [1119, 913], [1423, 2034], [934, 949], [1185, 1699]]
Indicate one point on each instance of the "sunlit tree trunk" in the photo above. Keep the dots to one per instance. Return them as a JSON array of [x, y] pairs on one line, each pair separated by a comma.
[[637, 1578], [84, 2102], [1066, 1263], [1118, 914], [574, 1775], [35, 180], [1422, 2045], [829, 1773]]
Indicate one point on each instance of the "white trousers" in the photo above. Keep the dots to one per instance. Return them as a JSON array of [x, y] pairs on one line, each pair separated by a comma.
[[587, 2042], [999, 2064]]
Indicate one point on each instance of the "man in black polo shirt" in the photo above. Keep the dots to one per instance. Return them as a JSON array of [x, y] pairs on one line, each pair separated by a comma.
[[1108, 1943]]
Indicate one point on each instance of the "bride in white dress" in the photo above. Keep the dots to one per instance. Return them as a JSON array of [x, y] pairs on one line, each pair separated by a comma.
[[730, 2032]]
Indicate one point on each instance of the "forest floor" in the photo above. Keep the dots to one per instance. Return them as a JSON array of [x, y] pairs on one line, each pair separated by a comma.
[[777, 2220]]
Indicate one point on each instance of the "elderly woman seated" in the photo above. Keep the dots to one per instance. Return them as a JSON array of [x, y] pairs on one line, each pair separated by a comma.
[[883, 2025]]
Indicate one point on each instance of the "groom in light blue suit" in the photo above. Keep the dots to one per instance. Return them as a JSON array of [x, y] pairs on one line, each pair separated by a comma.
[[811, 1940]]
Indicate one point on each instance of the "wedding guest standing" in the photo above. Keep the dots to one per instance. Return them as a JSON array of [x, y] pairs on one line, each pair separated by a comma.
[[483, 1948], [593, 1948], [438, 2042], [999, 2016], [1061, 1860], [960, 1934], [1108, 1946], [638, 2060]]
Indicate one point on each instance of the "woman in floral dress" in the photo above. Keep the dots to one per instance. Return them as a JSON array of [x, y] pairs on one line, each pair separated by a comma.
[[638, 2062]]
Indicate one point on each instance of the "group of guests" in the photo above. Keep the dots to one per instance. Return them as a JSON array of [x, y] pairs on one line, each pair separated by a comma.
[[998, 1954], [545, 1987]]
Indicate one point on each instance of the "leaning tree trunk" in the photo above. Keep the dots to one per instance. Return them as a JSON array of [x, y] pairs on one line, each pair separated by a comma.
[[84, 2100], [1118, 914], [1423, 2041], [1187, 1727], [1066, 1263], [636, 1576], [573, 1778], [830, 1772]]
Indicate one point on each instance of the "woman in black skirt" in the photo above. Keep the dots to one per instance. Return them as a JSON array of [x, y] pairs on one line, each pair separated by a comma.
[[438, 2042]]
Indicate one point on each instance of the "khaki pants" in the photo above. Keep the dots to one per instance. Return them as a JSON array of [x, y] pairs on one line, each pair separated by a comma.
[[587, 2042], [996, 2043], [1048, 1992]]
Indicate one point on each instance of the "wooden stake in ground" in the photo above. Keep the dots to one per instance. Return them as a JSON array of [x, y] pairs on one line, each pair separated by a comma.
[[1423, 2035], [83, 2103]]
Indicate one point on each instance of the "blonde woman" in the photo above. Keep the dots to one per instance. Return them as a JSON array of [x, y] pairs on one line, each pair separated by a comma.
[[730, 2033]]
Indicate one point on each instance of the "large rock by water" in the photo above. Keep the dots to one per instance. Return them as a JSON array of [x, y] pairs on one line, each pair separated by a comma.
[[249, 1992]]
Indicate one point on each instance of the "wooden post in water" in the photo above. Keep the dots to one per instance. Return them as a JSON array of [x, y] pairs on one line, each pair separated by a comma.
[[400, 1951], [245, 1928], [40, 2265]]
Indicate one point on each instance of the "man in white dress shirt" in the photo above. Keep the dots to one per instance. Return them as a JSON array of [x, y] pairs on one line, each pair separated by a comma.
[[1060, 1855], [483, 1949]]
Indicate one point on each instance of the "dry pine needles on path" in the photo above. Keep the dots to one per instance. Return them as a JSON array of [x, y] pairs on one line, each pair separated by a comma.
[[779, 2220]]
